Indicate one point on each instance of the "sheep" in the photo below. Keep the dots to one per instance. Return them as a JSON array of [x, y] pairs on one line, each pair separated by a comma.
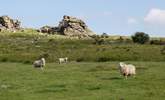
[[127, 69], [63, 60], [39, 63]]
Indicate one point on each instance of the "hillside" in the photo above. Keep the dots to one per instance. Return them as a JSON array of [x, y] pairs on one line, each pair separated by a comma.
[[29, 45]]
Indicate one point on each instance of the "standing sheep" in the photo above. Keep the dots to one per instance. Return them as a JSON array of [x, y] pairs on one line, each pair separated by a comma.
[[39, 63], [127, 70], [63, 60]]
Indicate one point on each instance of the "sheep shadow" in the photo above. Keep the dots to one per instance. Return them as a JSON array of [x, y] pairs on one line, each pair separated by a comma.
[[111, 78]]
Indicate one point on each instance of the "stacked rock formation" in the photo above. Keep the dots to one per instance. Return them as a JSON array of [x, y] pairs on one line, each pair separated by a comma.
[[49, 30], [70, 26], [6, 23]]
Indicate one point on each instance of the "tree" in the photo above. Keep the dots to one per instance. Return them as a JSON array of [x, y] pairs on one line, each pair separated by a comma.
[[104, 35], [140, 37]]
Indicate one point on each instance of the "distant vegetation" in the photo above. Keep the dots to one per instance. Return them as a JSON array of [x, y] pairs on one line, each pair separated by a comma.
[[28, 45], [140, 37]]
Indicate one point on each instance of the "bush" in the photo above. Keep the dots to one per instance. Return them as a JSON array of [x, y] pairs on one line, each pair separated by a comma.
[[44, 55], [157, 42], [104, 35], [99, 40], [80, 59], [27, 62], [140, 37], [4, 59], [103, 59], [163, 51]]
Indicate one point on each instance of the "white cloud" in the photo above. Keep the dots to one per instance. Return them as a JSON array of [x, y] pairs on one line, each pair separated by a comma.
[[132, 21], [155, 16]]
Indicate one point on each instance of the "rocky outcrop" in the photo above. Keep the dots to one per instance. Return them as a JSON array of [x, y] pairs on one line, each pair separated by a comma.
[[6, 23], [49, 30], [70, 26]]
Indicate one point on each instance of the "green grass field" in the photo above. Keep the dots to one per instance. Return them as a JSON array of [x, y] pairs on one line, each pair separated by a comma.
[[81, 81], [91, 74]]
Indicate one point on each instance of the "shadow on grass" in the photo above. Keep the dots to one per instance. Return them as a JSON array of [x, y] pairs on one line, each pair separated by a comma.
[[53, 88], [99, 68], [111, 78], [94, 88]]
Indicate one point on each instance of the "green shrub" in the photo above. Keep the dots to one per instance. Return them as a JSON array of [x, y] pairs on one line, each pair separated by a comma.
[[104, 35], [27, 62], [157, 42], [99, 40], [103, 59], [140, 37], [4, 59], [163, 51], [79, 59]]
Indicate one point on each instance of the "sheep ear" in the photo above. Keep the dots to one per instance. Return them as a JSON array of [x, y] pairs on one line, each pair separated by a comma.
[[121, 64]]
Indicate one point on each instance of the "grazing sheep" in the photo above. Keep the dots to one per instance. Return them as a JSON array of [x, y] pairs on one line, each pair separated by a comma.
[[39, 63], [63, 60], [127, 69]]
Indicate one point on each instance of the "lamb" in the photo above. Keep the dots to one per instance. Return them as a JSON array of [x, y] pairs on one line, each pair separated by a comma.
[[63, 60], [39, 63], [127, 69]]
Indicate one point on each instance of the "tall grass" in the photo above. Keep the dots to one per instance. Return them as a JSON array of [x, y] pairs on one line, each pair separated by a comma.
[[29, 45]]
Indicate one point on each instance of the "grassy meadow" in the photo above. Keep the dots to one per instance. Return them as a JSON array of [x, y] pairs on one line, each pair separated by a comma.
[[91, 74], [81, 81]]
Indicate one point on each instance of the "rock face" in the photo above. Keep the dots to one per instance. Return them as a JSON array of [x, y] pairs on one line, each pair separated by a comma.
[[70, 26], [6, 23], [49, 29]]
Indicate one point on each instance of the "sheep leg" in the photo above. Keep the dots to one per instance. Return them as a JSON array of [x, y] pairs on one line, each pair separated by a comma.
[[126, 77], [42, 68]]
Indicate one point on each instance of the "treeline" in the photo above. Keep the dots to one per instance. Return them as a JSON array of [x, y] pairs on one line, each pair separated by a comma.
[[138, 37]]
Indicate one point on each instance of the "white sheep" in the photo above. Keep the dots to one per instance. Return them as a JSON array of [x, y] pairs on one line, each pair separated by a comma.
[[127, 69], [39, 63], [63, 60]]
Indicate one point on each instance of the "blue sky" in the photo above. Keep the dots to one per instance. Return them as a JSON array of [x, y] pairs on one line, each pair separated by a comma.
[[116, 17]]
